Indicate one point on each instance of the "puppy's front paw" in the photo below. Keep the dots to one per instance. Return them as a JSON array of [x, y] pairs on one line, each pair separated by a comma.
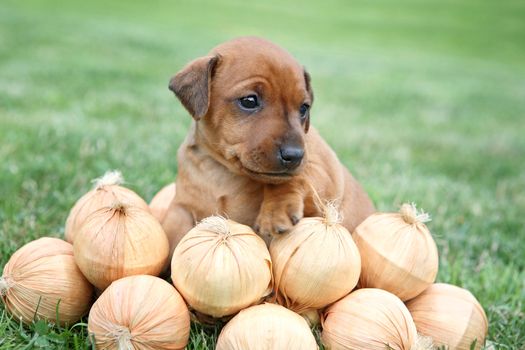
[[278, 215]]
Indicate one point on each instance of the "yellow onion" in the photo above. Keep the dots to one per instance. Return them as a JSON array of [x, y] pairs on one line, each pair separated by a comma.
[[450, 315], [315, 264], [142, 313], [371, 319], [119, 241], [161, 201], [398, 252], [41, 279], [106, 192], [266, 326], [221, 267]]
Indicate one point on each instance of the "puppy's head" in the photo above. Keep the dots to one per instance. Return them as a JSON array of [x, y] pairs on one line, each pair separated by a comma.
[[251, 100]]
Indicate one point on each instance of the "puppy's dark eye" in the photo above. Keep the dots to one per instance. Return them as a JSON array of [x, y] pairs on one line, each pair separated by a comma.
[[303, 110], [249, 102]]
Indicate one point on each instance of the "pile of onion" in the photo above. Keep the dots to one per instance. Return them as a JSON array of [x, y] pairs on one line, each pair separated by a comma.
[[371, 319], [41, 279], [161, 201], [221, 267], [118, 241], [398, 252], [450, 315], [266, 326], [315, 264], [106, 192], [140, 312]]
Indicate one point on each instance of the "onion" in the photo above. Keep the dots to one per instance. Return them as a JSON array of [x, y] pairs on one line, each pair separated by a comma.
[[119, 241], [140, 312], [161, 201], [371, 319], [315, 264], [42, 279], [397, 251], [450, 315], [266, 326], [106, 192], [221, 267]]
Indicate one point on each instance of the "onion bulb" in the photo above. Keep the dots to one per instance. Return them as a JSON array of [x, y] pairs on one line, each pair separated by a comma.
[[315, 264], [161, 201], [140, 312], [119, 241], [450, 315], [41, 279], [371, 319], [106, 192], [398, 252], [266, 326], [221, 267]]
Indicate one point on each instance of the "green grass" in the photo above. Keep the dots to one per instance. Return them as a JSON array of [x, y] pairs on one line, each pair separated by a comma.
[[423, 100]]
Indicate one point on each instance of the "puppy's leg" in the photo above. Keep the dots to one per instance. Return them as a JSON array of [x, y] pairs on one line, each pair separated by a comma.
[[282, 207], [176, 224]]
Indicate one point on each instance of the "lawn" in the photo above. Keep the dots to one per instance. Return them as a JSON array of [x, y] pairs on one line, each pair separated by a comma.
[[423, 100]]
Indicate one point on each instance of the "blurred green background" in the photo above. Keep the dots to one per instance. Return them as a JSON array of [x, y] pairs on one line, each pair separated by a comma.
[[424, 101]]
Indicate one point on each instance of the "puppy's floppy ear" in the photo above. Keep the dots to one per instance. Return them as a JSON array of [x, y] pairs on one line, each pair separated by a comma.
[[192, 85], [307, 80]]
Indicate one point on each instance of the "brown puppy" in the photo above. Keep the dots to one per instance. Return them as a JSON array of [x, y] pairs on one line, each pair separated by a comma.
[[251, 154]]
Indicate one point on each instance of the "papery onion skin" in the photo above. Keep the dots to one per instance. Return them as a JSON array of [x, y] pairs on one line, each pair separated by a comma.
[[161, 201], [120, 241], [398, 254], [101, 196], [221, 267], [142, 311], [42, 274], [314, 265], [450, 315], [266, 326], [369, 319]]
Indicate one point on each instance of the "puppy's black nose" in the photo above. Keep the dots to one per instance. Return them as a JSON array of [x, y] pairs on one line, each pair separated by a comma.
[[291, 156]]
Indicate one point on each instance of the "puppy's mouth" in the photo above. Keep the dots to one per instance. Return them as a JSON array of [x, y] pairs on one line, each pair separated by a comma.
[[271, 177], [251, 167]]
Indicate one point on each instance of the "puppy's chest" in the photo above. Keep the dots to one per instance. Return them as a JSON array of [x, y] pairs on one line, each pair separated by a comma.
[[230, 195], [240, 206]]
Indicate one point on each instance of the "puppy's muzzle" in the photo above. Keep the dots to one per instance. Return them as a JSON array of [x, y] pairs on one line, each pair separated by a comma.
[[290, 156]]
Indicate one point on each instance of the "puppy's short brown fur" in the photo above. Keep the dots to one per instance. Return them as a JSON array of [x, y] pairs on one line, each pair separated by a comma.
[[257, 166]]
